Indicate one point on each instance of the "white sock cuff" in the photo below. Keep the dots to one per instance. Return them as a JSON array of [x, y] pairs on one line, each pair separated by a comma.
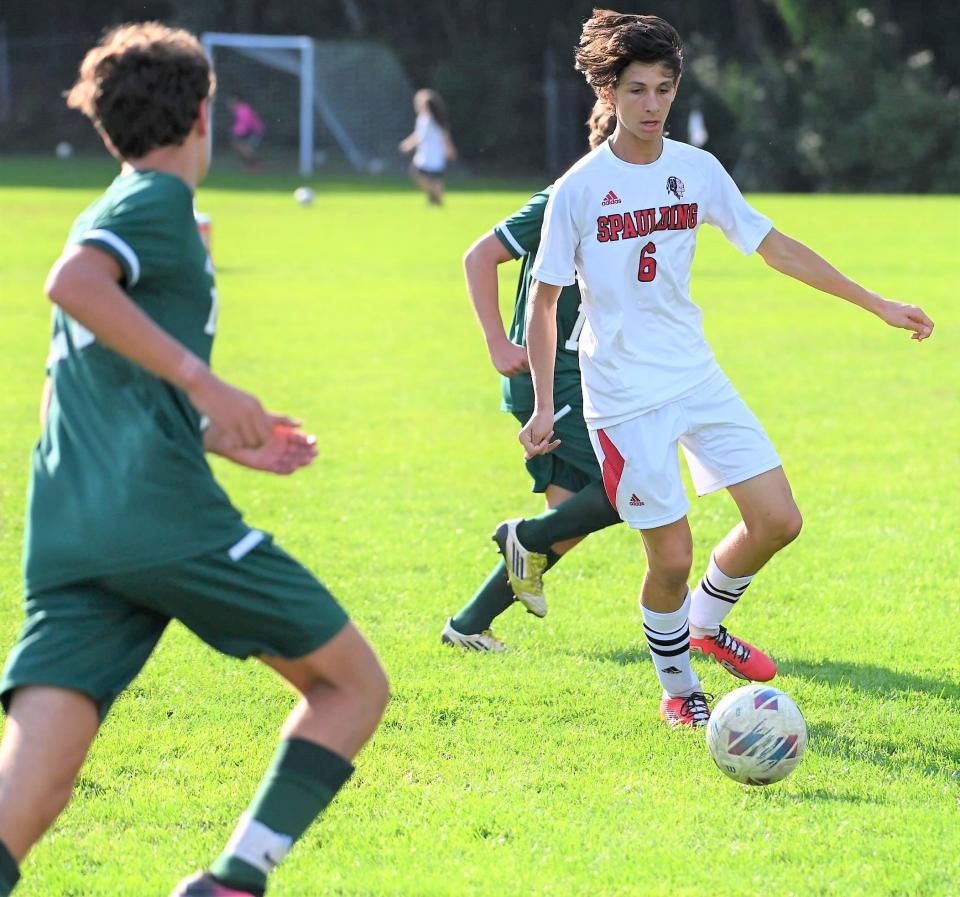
[[258, 845], [719, 580], [669, 622]]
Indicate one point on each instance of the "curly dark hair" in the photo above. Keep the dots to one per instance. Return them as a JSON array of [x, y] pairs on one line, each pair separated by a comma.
[[142, 86], [610, 41]]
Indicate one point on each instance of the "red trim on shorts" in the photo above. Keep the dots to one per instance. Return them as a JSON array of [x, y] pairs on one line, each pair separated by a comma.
[[612, 467]]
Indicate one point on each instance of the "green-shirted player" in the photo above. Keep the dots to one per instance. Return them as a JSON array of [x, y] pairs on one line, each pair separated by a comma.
[[127, 528], [570, 476]]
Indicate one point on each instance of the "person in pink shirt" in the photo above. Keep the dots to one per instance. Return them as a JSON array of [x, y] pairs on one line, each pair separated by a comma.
[[246, 132]]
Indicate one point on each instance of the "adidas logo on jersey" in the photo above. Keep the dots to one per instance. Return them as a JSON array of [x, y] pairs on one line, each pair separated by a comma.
[[636, 502], [610, 199]]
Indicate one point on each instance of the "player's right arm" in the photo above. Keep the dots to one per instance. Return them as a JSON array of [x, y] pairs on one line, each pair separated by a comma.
[[480, 269], [553, 269], [541, 350], [85, 283]]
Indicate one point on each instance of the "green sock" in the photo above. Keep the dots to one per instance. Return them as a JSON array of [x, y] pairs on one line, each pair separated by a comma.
[[492, 599], [584, 512], [9, 871], [300, 781]]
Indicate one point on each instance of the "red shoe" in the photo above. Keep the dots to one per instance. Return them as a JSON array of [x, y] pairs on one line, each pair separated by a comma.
[[736, 656], [690, 710]]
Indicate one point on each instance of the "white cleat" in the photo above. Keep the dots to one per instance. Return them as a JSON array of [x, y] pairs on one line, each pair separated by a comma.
[[483, 641], [525, 568]]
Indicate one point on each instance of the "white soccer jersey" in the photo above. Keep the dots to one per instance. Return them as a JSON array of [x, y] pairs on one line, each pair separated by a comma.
[[431, 153], [629, 232]]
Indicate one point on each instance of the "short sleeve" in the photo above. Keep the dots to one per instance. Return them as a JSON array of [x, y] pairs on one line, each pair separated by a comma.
[[141, 232], [559, 240], [520, 232], [741, 224]]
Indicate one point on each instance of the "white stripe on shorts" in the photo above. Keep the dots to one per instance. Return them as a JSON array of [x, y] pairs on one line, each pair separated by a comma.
[[250, 541]]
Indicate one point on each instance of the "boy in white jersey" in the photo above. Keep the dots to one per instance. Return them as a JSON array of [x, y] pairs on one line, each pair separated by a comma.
[[624, 220]]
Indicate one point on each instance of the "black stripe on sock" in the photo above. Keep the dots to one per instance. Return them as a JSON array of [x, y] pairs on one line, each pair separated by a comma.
[[665, 632], [713, 593], [661, 653], [670, 639], [733, 593]]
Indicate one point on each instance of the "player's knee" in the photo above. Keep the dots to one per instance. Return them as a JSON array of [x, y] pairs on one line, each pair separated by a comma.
[[375, 686], [785, 526], [671, 568], [364, 685]]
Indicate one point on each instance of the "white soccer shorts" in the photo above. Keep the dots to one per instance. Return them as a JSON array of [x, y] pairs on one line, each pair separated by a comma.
[[721, 438]]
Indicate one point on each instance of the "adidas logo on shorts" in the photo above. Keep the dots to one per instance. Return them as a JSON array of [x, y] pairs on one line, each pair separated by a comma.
[[636, 502]]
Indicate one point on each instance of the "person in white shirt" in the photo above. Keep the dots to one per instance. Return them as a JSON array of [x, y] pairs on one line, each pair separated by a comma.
[[624, 221], [431, 144]]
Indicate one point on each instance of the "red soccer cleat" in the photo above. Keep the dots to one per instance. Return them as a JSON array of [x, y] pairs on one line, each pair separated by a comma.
[[736, 656], [690, 710]]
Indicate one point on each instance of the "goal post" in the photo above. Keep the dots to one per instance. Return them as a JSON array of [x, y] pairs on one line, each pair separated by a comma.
[[213, 39]]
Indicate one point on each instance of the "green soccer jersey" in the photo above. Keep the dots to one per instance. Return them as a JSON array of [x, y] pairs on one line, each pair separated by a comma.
[[520, 234], [119, 478]]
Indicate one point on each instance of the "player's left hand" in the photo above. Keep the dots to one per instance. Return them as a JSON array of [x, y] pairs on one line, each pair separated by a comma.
[[909, 317], [286, 451], [537, 435]]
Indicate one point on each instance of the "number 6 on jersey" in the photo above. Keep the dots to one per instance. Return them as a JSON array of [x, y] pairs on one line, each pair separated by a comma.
[[648, 265]]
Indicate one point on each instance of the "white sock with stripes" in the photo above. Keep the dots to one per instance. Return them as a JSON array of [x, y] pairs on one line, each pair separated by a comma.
[[714, 598], [668, 636]]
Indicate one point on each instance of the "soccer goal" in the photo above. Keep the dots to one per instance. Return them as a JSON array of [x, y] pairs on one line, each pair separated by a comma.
[[350, 99]]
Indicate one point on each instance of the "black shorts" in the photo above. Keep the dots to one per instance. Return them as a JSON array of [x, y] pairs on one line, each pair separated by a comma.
[[433, 175]]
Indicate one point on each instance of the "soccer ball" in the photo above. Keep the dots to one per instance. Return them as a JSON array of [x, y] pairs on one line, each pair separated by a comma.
[[756, 735], [63, 150], [304, 196]]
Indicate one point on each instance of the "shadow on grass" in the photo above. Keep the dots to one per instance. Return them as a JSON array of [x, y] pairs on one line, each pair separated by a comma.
[[822, 796], [866, 677], [938, 762], [935, 760], [860, 676], [623, 656]]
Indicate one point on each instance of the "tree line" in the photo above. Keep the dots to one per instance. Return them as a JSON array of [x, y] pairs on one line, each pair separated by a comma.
[[797, 94]]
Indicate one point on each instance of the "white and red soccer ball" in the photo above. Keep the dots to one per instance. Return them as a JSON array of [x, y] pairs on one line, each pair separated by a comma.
[[756, 735]]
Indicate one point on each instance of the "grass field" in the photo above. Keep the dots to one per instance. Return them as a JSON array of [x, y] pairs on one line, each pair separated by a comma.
[[546, 771]]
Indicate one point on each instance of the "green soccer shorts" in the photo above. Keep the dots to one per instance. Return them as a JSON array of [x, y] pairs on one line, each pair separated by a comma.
[[95, 636], [571, 465]]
